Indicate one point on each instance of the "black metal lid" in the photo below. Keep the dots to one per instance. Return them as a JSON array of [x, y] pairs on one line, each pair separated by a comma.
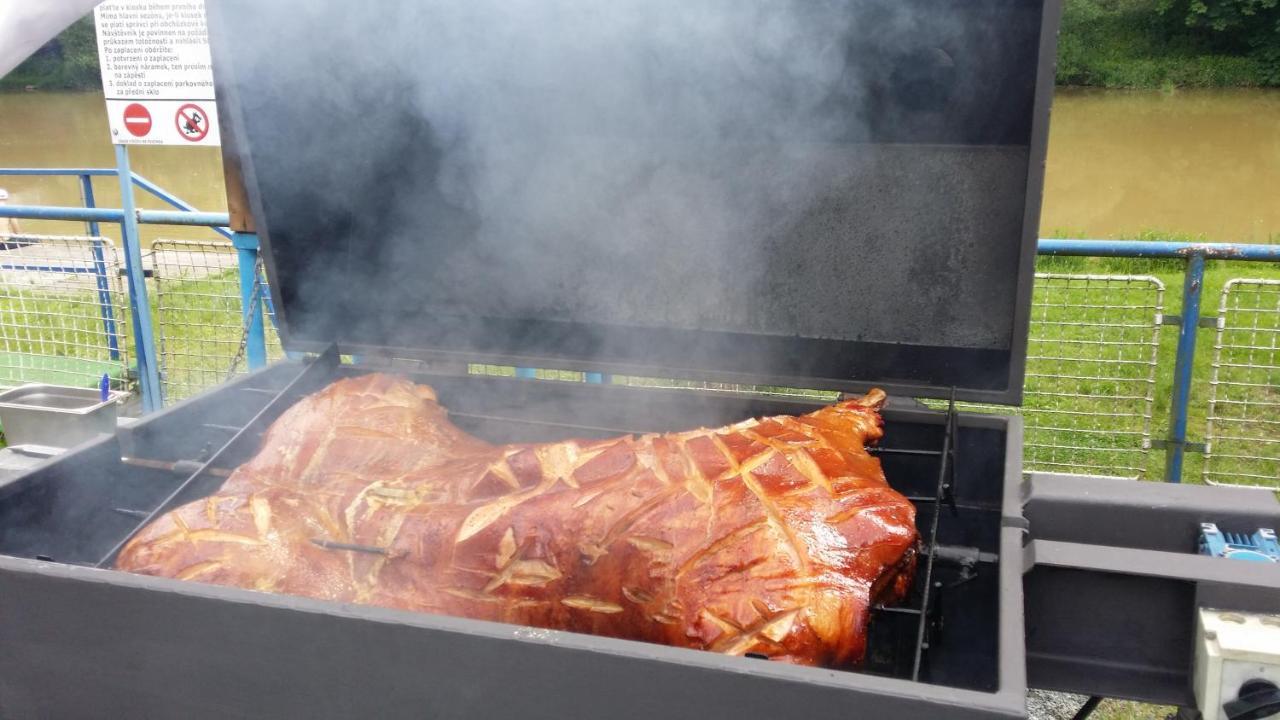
[[816, 193]]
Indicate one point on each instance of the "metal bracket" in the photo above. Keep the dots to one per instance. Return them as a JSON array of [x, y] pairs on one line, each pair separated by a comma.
[[1204, 321], [1195, 447]]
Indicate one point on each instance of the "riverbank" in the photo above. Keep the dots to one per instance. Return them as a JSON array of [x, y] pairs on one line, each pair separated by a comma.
[[1104, 43], [1120, 163]]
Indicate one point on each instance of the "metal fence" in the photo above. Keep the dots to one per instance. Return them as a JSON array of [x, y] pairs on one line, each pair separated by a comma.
[[1091, 373], [1243, 439], [1091, 383], [200, 324], [1089, 393], [63, 312]]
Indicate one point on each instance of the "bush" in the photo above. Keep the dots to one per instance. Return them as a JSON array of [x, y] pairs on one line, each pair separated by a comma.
[[1162, 43]]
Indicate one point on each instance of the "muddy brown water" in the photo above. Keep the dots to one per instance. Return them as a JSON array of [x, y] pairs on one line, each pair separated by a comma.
[[1204, 163]]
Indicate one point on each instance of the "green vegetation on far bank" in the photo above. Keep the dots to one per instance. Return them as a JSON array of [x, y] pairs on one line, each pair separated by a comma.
[[1104, 43], [1170, 43], [68, 62]]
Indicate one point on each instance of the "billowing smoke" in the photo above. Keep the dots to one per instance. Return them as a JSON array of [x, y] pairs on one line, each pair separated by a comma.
[[750, 167]]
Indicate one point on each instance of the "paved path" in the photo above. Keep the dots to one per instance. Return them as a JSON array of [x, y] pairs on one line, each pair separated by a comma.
[[51, 263]]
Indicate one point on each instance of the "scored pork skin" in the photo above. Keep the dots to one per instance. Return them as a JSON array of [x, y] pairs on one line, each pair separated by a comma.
[[771, 536]]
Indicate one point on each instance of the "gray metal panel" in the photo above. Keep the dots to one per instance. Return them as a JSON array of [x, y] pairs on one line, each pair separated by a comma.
[[902, 256], [95, 643], [1113, 581], [1151, 516]]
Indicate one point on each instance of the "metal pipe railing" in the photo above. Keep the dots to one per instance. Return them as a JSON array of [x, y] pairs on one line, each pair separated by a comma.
[[128, 218], [1194, 254], [1159, 249], [109, 215]]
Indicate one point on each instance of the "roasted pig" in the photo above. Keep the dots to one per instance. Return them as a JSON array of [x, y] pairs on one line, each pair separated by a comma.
[[773, 536]]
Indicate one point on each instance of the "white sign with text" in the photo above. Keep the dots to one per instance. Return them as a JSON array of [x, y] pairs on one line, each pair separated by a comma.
[[156, 72]]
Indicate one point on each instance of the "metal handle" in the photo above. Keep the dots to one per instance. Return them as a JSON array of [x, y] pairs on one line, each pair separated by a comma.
[[1258, 699]]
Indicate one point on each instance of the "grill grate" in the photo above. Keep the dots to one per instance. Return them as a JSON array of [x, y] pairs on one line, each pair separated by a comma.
[[919, 619]]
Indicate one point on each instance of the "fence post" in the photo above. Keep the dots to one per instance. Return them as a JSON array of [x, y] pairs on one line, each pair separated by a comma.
[[1192, 291], [100, 271], [139, 303], [251, 299]]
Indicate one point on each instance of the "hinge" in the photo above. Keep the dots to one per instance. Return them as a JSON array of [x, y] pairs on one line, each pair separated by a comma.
[[1196, 447]]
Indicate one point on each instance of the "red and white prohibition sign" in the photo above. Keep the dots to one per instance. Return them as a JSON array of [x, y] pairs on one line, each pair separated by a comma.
[[193, 122]]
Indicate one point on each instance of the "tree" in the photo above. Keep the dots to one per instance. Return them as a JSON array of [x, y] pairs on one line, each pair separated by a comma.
[[1246, 26], [69, 61], [1248, 16]]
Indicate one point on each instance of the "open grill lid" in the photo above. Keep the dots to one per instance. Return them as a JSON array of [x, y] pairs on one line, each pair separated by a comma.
[[810, 193]]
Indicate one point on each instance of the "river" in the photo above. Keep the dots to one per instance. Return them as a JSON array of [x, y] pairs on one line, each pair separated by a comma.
[[1202, 163]]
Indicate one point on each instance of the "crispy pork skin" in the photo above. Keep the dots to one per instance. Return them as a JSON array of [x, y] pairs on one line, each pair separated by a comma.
[[773, 536]]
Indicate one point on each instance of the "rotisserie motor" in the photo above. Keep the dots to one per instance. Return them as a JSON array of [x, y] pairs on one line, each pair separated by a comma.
[[772, 536]]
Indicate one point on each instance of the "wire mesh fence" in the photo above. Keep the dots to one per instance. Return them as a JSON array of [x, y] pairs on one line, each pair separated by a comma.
[[63, 312], [1089, 394], [1243, 431], [200, 324]]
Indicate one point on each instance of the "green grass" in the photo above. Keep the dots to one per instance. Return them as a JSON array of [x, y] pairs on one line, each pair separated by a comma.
[[197, 326], [58, 336]]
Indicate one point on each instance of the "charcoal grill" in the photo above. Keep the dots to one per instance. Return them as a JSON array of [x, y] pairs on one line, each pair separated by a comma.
[[935, 178]]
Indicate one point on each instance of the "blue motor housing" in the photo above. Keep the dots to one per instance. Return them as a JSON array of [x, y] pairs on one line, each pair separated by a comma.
[[1258, 547]]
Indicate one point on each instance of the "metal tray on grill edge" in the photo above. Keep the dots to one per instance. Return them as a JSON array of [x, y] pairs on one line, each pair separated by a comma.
[[84, 642]]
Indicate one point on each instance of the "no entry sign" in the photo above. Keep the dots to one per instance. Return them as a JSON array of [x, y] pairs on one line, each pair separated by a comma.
[[137, 120], [155, 66]]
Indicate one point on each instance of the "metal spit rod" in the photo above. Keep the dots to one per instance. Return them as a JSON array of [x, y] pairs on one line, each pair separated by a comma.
[[324, 363]]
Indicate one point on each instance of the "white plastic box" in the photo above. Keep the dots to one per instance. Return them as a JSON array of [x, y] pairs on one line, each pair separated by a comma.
[[1233, 648]]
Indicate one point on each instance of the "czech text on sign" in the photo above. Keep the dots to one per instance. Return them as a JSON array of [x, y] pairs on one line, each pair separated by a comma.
[[156, 72]]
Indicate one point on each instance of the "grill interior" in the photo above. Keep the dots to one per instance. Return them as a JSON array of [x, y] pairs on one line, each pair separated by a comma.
[[83, 506]]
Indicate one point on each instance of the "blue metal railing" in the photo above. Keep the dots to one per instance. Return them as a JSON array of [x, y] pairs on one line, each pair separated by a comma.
[[128, 217], [1194, 254], [1189, 323]]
